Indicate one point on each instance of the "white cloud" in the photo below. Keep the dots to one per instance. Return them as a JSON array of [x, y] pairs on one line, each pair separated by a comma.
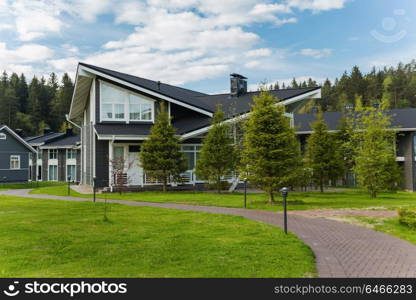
[[258, 52], [175, 41], [24, 54], [316, 5], [35, 19], [21, 59], [316, 53]]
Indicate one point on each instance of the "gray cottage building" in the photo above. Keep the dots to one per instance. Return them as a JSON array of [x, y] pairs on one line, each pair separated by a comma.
[[58, 156], [15, 157], [115, 112], [403, 123]]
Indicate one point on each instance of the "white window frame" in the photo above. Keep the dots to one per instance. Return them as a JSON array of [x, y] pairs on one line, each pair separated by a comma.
[[3, 136], [49, 173], [12, 161], [52, 151], [126, 104], [73, 154], [75, 172], [39, 154]]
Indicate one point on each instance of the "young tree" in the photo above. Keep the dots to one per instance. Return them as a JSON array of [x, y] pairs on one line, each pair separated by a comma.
[[217, 153], [375, 162], [322, 155], [345, 144], [160, 154], [271, 154]]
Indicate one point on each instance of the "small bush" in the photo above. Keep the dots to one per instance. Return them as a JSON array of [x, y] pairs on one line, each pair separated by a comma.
[[407, 217]]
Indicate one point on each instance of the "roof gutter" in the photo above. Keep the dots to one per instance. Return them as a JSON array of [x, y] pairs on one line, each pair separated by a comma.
[[71, 122]]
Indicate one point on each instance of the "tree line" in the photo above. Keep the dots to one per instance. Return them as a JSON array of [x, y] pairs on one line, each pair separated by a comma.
[[393, 86], [269, 154], [37, 105]]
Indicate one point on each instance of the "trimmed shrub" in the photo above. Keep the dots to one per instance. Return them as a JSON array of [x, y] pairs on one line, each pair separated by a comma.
[[407, 217]]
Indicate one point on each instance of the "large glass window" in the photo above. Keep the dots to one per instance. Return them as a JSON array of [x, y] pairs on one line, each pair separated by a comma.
[[53, 173], [119, 104], [39, 155], [191, 153], [118, 152], [71, 154], [71, 172], [53, 153], [14, 162]]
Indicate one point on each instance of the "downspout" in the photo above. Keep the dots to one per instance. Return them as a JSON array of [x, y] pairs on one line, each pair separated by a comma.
[[80, 130], [110, 164]]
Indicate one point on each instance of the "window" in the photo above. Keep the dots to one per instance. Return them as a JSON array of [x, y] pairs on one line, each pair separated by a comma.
[[53, 173], [2, 136], [140, 109], [14, 162], [121, 105], [191, 153], [53, 153], [71, 172], [71, 154], [39, 154], [118, 152]]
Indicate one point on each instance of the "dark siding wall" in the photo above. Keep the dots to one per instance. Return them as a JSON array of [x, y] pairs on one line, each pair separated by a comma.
[[62, 164], [78, 165], [34, 158], [97, 101], [12, 146], [45, 157], [101, 162], [405, 148]]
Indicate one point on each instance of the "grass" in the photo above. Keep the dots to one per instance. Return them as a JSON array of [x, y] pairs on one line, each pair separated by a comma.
[[29, 185], [347, 198], [390, 226], [49, 238]]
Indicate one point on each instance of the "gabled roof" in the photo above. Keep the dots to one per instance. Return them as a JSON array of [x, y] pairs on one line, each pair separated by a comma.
[[242, 104], [208, 103], [14, 134], [42, 139], [183, 95], [403, 119], [67, 141]]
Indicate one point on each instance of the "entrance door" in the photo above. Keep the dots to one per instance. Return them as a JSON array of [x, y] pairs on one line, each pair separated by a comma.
[[134, 171]]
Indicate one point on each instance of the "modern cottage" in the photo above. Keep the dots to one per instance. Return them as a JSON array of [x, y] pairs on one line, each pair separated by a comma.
[[58, 156], [15, 156], [115, 112], [403, 122]]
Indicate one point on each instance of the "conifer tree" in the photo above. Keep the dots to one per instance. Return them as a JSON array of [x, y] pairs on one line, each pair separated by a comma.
[[375, 163], [217, 157], [271, 154], [322, 155], [160, 154], [345, 145]]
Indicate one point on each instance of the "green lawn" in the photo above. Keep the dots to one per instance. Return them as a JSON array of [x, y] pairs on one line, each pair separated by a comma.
[[390, 226], [29, 185], [348, 198], [49, 238]]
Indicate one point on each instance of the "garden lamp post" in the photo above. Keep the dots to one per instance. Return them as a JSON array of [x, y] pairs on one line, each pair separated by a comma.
[[93, 185], [284, 192], [245, 192], [69, 184]]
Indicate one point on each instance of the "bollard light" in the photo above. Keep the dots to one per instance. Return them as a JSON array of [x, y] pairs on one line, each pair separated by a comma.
[[284, 192]]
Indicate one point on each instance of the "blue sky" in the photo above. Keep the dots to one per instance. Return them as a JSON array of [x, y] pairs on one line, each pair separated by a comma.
[[197, 43]]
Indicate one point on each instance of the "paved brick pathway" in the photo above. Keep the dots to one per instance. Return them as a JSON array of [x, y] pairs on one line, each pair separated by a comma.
[[341, 250]]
